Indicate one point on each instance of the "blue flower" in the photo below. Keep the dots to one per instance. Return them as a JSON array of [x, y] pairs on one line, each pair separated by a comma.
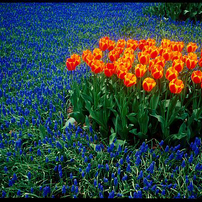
[[161, 143], [140, 175], [183, 164], [190, 187]]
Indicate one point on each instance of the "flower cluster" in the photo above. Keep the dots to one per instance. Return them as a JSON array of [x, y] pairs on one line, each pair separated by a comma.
[[152, 59]]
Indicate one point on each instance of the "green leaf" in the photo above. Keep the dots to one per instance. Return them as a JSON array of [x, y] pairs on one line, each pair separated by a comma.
[[132, 118], [112, 137], [185, 12], [78, 116], [87, 97], [154, 100]]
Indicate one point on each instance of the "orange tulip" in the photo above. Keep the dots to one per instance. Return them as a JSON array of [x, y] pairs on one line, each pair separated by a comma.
[[200, 62], [77, 58], [191, 63], [171, 74], [84, 54], [177, 46], [121, 72], [153, 52], [109, 69], [192, 56], [165, 43], [176, 86], [140, 70], [130, 79], [125, 61], [159, 60], [178, 65], [111, 45], [191, 47], [196, 76], [97, 66], [176, 55], [143, 58], [157, 71], [121, 43], [166, 54], [71, 64], [89, 59], [184, 58], [150, 42], [97, 53], [141, 44], [148, 84], [104, 43], [151, 64], [132, 44], [128, 50]]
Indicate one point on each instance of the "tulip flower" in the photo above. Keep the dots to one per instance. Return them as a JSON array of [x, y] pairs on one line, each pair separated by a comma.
[[128, 50], [177, 46], [130, 79], [71, 63], [171, 74], [148, 84], [143, 58], [97, 53], [191, 63], [109, 69], [153, 52], [166, 54], [178, 65], [151, 64], [150, 42], [104, 43], [111, 45], [191, 47], [196, 76], [157, 71], [97, 66], [176, 86], [200, 62], [159, 60], [113, 55], [165, 43], [77, 58], [140, 70], [141, 44], [89, 59], [132, 44], [176, 55], [121, 43], [192, 56], [121, 70], [84, 54]]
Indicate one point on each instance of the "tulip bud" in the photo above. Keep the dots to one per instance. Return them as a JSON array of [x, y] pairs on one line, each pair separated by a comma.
[[140, 70], [157, 71], [171, 74], [176, 86], [191, 47], [196, 76], [143, 58], [130, 79], [178, 65], [148, 84]]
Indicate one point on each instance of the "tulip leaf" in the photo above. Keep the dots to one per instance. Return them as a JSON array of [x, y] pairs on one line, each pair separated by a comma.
[[69, 121], [112, 137]]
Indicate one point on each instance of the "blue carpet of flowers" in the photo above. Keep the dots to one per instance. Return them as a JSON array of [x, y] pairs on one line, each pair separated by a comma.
[[39, 157]]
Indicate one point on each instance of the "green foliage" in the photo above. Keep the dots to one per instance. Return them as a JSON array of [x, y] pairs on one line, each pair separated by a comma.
[[136, 115], [176, 11]]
